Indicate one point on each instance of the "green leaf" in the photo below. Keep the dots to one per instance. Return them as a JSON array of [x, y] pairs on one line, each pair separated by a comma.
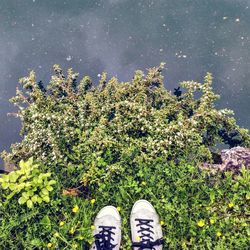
[[5, 178], [46, 222], [35, 180], [248, 196], [21, 172], [47, 174], [39, 200], [36, 242], [12, 186], [25, 195], [27, 184], [49, 188], [10, 195], [20, 186], [22, 179], [46, 198], [27, 171], [22, 200], [30, 193], [52, 182], [30, 161], [5, 185], [44, 191], [34, 198], [21, 164], [35, 166], [13, 176], [40, 179], [212, 196], [29, 204], [78, 131]]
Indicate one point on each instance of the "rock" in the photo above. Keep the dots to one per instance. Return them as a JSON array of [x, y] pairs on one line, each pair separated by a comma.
[[234, 158], [2, 171], [8, 167], [231, 160]]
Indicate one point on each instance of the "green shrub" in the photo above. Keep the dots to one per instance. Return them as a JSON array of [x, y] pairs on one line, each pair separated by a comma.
[[72, 125], [28, 181], [115, 143]]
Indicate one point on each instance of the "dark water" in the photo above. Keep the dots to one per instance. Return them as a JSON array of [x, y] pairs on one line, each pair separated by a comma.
[[119, 36]]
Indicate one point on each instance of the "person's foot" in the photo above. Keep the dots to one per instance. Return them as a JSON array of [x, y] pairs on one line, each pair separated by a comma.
[[145, 227], [107, 232]]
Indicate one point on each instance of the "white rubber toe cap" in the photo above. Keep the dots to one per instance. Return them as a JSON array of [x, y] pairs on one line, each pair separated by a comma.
[[143, 205], [109, 210]]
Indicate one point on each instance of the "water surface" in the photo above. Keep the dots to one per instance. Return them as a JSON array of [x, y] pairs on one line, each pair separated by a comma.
[[119, 36]]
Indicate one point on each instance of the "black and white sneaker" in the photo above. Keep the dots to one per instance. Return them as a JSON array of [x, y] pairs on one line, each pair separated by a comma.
[[107, 231], [145, 227]]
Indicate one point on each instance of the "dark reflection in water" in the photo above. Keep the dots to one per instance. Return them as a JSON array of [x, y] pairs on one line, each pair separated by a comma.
[[119, 36]]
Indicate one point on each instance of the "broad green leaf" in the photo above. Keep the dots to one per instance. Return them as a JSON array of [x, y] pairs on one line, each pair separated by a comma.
[[25, 195], [12, 186], [27, 172], [40, 180], [22, 179], [21, 171], [21, 164], [45, 191], [39, 199], [5, 185], [34, 198], [47, 175], [5, 178], [35, 180], [30, 193], [20, 186], [49, 188], [40, 177], [27, 184], [29, 204], [46, 198], [13, 176], [52, 182], [22, 200]]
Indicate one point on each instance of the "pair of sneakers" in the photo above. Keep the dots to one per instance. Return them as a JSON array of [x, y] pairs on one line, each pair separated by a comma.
[[146, 230]]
